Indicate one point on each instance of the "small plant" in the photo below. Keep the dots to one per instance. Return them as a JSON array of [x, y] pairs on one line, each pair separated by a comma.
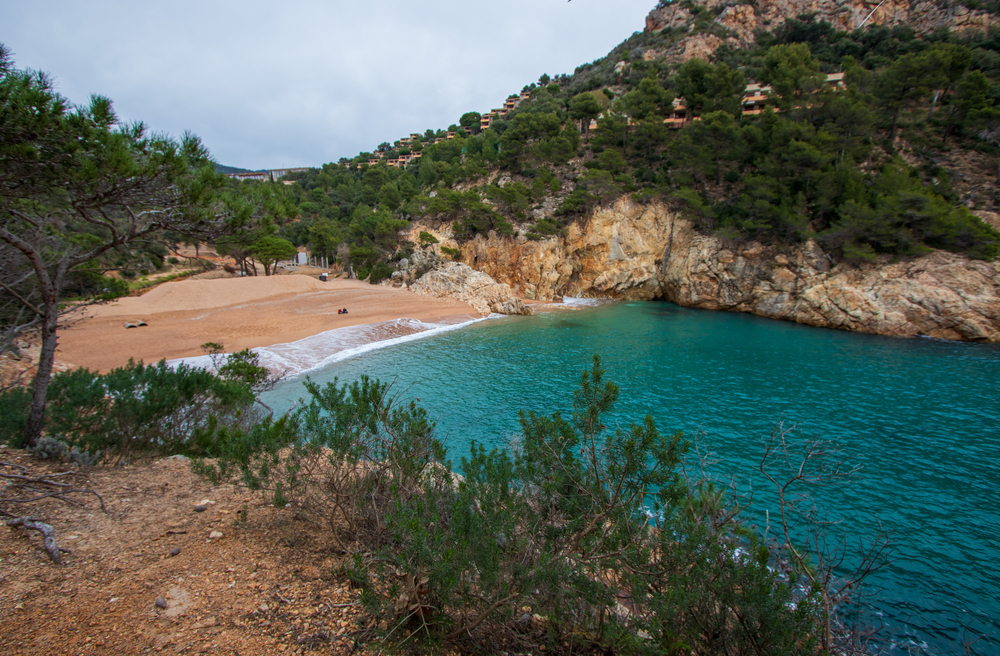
[[455, 253], [49, 448], [427, 238], [83, 459]]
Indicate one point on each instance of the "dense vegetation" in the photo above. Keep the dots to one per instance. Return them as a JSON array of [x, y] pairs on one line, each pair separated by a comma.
[[857, 168], [581, 537]]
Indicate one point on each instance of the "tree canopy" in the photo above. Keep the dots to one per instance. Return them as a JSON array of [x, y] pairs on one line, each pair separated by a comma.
[[79, 189]]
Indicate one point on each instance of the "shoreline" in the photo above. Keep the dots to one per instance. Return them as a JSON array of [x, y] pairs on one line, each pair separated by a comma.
[[239, 313]]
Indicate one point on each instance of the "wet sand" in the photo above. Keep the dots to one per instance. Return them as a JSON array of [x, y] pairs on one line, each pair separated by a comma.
[[238, 313]]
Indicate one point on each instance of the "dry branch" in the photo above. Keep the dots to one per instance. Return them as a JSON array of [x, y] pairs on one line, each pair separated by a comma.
[[48, 535]]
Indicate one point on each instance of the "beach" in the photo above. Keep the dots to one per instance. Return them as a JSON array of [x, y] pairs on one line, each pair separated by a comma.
[[238, 313]]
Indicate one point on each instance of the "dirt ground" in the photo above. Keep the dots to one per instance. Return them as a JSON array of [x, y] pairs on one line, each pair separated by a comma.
[[266, 586]]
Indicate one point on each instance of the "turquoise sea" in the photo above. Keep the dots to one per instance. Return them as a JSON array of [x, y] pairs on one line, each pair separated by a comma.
[[921, 416]]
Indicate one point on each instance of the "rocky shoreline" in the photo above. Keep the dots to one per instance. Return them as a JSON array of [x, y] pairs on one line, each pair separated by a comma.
[[647, 252]]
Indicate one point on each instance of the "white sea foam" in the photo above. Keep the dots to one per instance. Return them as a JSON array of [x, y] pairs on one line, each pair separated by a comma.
[[295, 358], [572, 303], [584, 302]]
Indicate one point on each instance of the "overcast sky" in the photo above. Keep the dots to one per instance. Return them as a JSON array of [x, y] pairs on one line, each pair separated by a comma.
[[301, 83]]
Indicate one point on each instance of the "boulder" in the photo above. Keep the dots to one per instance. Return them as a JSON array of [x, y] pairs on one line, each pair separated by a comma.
[[463, 283]]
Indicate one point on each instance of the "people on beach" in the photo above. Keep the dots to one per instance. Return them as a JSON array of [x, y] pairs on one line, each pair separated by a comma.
[[344, 311]]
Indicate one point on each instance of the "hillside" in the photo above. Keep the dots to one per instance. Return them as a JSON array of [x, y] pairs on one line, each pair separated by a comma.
[[780, 124]]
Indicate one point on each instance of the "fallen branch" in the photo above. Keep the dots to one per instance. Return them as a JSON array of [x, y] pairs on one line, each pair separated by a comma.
[[24, 481], [48, 535]]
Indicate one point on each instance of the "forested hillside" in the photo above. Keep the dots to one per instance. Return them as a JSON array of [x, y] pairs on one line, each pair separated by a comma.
[[890, 158]]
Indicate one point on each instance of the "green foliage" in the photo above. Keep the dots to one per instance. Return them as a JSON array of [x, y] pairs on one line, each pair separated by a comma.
[[511, 199], [793, 73], [141, 411], [455, 253], [708, 88], [785, 175], [427, 238], [574, 519], [379, 272], [14, 416], [269, 249]]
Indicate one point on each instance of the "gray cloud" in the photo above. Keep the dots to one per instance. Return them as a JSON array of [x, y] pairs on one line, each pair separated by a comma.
[[303, 83]]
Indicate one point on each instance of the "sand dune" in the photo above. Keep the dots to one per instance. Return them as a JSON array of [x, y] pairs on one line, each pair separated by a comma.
[[239, 313]]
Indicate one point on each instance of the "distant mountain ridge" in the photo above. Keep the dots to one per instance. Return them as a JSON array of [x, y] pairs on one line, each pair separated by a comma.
[[222, 168]]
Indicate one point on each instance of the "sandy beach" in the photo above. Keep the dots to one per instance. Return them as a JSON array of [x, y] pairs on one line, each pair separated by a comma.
[[239, 313]]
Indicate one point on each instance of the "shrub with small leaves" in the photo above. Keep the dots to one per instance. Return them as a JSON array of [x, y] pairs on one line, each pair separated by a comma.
[[49, 448]]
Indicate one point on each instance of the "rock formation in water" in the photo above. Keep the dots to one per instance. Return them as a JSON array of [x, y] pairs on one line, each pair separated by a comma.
[[463, 283], [645, 252]]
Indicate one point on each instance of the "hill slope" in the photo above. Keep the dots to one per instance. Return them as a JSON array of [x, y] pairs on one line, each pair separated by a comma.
[[753, 125]]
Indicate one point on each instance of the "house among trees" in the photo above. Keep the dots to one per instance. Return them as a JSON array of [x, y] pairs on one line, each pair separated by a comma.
[[277, 174], [680, 116], [755, 99]]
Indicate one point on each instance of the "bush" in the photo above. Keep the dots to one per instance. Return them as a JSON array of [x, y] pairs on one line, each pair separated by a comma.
[[14, 405], [380, 272], [140, 411], [455, 253], [588, 538], [427, 238]]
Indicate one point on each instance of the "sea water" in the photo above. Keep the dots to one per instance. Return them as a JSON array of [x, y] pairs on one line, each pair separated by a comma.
[[921, 416]]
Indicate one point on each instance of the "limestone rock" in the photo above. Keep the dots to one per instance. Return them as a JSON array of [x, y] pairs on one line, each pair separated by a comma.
[[462, 282], [644, 252], [745, 19]]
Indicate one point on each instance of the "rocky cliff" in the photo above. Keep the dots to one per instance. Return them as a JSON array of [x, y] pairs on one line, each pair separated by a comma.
[[744, 20], [646, 252], [461, 282]]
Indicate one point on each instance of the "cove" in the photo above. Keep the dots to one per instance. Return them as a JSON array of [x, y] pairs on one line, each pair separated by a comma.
[[922, 416]]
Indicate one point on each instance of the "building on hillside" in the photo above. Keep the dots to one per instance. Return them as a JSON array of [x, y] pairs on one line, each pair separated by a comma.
[[680, 115], [755, 95], [277, 174], [755, 98], [260, 176]]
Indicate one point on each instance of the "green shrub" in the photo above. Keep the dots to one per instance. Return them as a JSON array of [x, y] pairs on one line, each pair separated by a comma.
[[589, 538], [14, 405], [455, 253], [427, 238], [139, 411], [380, 272]]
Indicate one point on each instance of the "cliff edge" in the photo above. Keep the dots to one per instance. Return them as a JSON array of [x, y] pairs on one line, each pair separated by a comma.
[[647, 252]]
